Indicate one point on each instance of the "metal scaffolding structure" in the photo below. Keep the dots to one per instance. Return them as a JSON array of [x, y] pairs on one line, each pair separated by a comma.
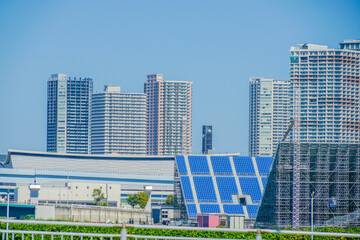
[[296, 165], [331, 171]]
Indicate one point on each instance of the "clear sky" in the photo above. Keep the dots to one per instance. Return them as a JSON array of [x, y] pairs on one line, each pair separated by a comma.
[[217, 45]]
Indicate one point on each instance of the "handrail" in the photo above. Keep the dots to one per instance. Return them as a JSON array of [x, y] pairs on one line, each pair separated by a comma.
[[256, 231], [109, 235]]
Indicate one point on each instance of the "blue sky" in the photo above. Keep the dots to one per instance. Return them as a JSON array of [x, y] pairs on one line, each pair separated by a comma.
[[217, 45]]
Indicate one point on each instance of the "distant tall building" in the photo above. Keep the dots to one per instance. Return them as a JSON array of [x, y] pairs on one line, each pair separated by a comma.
[[269, 114], [206, 139], [118, 122], [68, 110], [329, 91], [168, 116]]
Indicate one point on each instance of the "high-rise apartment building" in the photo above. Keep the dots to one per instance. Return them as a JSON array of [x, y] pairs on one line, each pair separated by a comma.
[[118, 122], [329, 95], [206, 139], [68, 111], [268, 114], [168, 120]]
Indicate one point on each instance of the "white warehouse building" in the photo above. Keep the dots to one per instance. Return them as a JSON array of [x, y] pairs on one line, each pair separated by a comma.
[[127, 174]]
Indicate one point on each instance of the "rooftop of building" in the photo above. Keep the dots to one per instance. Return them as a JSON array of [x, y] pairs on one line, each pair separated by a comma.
[[115, 89], [309, 46], [63, 75], [318, 47], [351, 41], [91, 163]]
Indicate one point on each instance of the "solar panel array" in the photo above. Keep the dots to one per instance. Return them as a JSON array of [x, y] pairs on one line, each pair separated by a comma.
[[221, 165], [251, 186], [222, 184], [204, 189], [264, 164], [227, 187]]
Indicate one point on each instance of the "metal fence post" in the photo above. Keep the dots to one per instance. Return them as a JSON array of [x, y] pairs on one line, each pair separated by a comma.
[[258, 235], [7, 213], [123, 232]]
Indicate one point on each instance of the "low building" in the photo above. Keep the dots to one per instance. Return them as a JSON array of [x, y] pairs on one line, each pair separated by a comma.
[[131, 172], [71, 193]]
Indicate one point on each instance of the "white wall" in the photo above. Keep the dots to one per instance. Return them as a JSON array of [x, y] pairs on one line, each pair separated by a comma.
[[75, 191]]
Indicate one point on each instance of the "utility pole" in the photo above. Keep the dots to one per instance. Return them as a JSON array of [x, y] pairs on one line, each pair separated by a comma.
[[312, 214], [7, 214]]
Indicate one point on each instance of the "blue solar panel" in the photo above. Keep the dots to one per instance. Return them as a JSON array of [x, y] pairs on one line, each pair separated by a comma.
[[192, 210], [180, 162], [244, 165], [264, 180], [264, 164], [204, 189], [198, 165], [252, 209], [209, 208], [227, 187], [185, 183], [221, 165], [250, 185], [233, 209]]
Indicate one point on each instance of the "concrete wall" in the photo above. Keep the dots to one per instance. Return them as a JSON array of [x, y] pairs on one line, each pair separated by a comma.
[[93, 214], [45, 212]]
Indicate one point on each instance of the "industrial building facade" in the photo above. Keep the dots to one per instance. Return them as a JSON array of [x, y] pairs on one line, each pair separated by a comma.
[[58, 170], [68, 114], [168, 120], [329, 91], [329, 172], [118, 122], [269, 114]]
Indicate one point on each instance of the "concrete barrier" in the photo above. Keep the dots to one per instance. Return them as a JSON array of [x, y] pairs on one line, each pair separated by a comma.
[[84, 213]]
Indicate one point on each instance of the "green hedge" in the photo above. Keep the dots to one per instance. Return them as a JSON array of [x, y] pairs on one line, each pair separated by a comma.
[[161, 232]]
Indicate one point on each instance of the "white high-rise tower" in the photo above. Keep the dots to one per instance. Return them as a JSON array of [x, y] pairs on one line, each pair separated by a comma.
[[329, 82], [118, 122], [269, 114]]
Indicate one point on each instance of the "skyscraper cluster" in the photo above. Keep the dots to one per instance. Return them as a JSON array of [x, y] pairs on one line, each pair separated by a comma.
[[156, 122], [328, 93]]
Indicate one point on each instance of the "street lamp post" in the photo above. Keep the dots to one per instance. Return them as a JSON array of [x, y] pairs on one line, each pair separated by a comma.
[[312, 214], [7, 214]]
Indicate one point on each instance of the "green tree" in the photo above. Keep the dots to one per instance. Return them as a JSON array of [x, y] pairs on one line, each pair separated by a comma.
[[132, 199], [143, 199], [98, 195], [169, 200]]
